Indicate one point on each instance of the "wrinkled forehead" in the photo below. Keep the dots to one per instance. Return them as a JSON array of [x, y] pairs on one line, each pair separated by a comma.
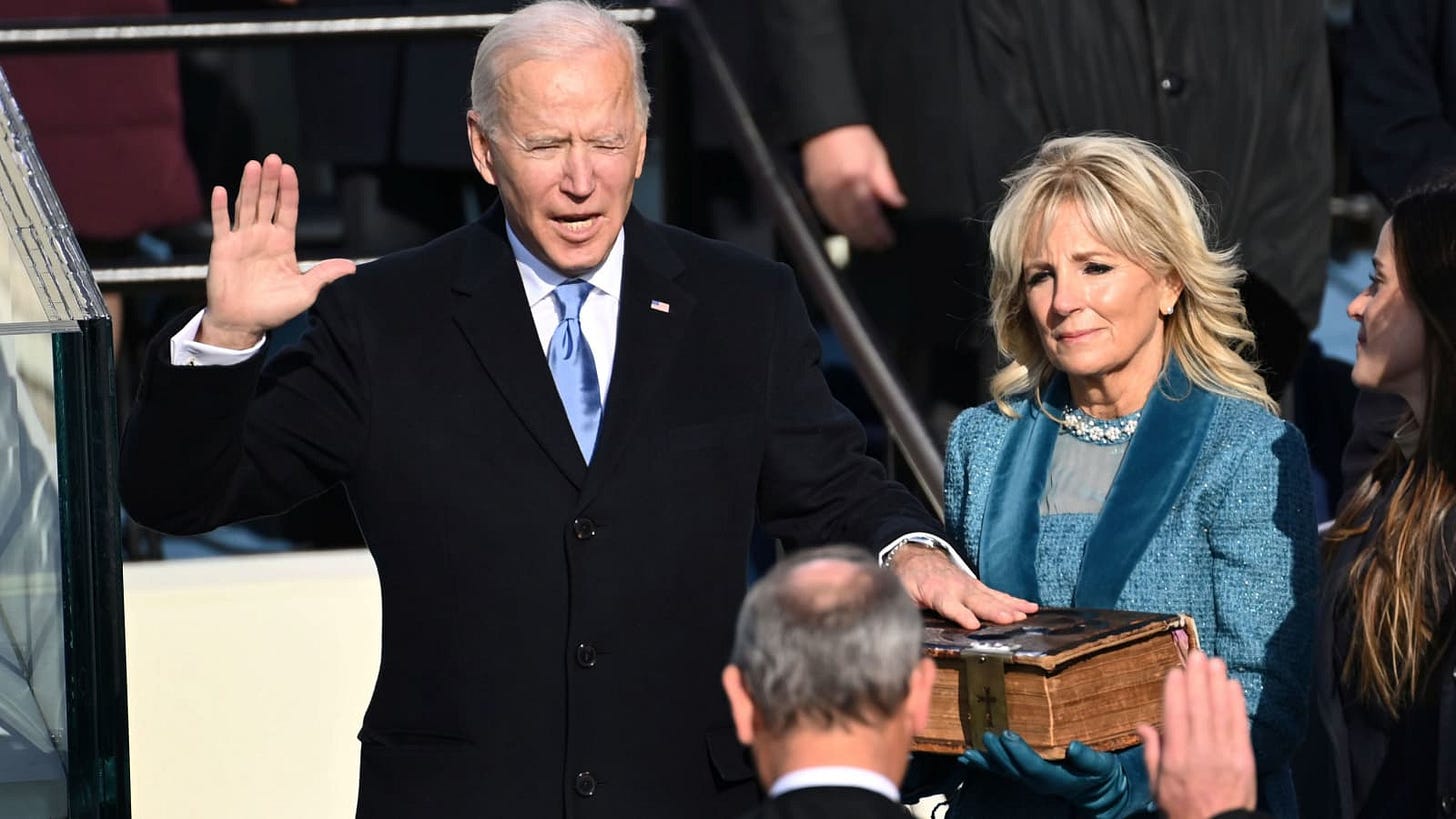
[[601, 73], [558, 97]]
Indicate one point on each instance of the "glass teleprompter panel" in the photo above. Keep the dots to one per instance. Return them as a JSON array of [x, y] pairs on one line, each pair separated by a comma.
[[32, 658], [62, 681], [45, 283]]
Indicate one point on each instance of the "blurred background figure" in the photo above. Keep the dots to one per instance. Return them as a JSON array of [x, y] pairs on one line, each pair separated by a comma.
[[876, 97], [1385, 660], [909, 116], [1400, 118], [386, 118], [109, 130], [1400, 93]]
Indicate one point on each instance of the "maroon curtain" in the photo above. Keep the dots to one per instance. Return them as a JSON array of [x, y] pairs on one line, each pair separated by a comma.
[[108, 126]]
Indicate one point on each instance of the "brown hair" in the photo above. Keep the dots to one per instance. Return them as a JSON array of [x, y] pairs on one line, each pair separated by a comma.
[[1398, 581]]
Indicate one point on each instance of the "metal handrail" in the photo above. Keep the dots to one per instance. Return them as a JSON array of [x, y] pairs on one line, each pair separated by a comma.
[[162, 274], [783, 195], [177, 30], [786, 200]]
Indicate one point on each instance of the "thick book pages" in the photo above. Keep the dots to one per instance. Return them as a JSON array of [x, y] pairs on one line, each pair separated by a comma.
[[1059, 675]]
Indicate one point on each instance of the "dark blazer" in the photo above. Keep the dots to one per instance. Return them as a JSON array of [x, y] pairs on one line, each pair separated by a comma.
[[1400, 92], [553, 634], [829, 803], [878, 62]]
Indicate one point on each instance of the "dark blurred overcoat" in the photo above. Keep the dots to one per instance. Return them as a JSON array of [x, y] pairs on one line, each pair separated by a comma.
[[108, 126], [962, 91]]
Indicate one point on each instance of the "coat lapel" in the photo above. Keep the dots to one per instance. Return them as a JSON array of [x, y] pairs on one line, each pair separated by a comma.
[[1157, 466], [647, 340], [490, 309], [1013, 511]]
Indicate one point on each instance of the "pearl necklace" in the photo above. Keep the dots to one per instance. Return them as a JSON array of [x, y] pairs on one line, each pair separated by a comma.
[[1097, 430]]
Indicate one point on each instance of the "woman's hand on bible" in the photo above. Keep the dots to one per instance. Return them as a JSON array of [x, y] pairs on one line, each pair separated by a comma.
[[1092, 780], [934, 582]]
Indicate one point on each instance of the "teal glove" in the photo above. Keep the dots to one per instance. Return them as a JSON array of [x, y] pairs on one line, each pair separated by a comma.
[[1091, 780]]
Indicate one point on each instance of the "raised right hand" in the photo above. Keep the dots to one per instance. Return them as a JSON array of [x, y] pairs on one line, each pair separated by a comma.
[[1203, 762], [254, 283]]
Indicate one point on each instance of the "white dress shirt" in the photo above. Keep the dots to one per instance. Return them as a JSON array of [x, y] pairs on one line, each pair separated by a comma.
[[598, 313], [835, 776]]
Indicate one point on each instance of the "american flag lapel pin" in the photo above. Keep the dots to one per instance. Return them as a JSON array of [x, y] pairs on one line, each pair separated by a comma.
[[660, 306]]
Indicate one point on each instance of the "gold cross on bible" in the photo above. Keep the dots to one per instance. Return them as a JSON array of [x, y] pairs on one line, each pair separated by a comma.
[[989, 699]]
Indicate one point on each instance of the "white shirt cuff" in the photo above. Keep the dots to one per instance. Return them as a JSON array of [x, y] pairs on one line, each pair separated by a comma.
[[929, 540], [187, 352]]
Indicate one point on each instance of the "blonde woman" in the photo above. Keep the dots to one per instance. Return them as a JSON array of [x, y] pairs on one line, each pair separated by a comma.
[[1131, 458]]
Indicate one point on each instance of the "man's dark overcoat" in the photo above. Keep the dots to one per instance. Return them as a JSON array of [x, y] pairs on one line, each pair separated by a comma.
[[553, 634]]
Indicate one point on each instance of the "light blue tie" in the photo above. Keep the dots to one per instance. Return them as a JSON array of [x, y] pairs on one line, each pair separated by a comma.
[[573, 367]]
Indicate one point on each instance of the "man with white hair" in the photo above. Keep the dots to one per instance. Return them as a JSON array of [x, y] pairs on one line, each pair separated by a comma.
[[557, 427], [829, 686]]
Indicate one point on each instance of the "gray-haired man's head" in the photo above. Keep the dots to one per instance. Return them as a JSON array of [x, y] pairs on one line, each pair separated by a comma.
[[551, 30], [827, 638], [558, 124]]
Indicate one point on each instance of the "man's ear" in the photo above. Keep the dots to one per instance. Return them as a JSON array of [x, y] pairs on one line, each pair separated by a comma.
[[740, 703], [641, 154], [480, 151], [917, 704]]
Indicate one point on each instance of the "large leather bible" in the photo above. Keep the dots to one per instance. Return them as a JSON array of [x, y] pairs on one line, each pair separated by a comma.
[[1059, 675]]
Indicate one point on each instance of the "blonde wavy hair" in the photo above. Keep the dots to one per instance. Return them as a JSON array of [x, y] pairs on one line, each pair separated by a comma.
[[1137, 202]]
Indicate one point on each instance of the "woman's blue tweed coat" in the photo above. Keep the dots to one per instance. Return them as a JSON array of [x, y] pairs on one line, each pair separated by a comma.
[[1235, 548]]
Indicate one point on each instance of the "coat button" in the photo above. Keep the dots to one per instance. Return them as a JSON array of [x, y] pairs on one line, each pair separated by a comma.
[[584, 528], [1171, 84], [586, 784], [586, 655], [1448, 805]]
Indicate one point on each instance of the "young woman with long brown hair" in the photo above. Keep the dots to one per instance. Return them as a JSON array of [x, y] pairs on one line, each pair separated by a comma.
[[1385, 690]]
